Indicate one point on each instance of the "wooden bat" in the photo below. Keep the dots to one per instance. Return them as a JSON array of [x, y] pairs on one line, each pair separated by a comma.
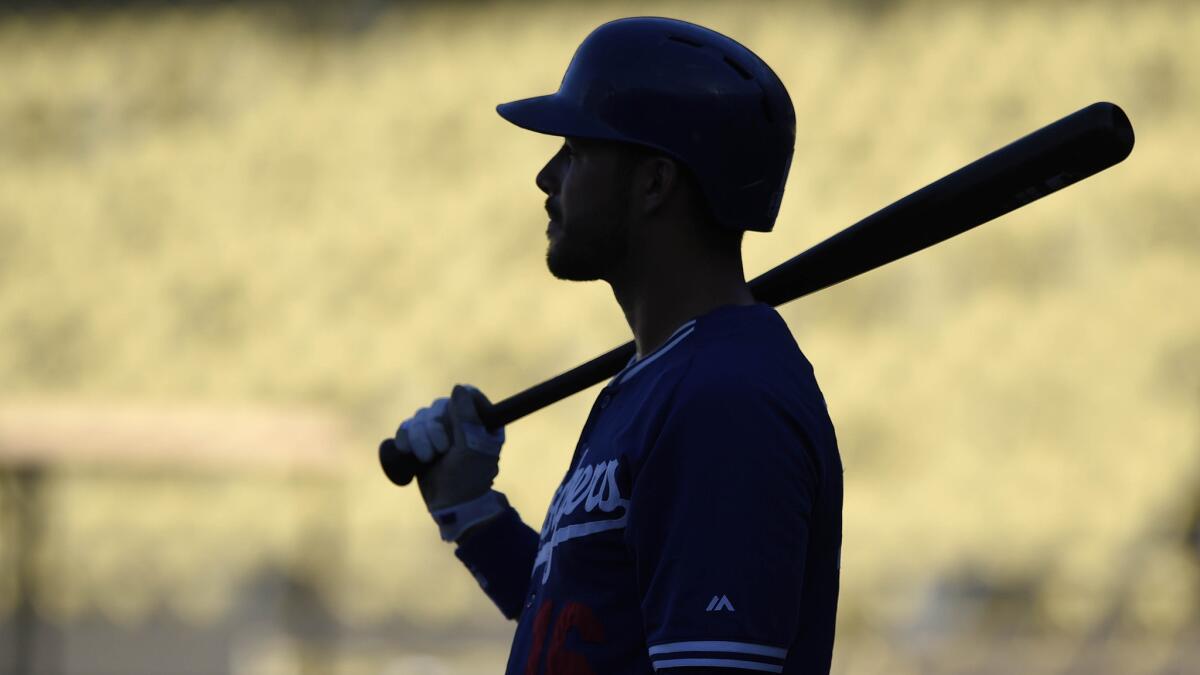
[[1061, 153]]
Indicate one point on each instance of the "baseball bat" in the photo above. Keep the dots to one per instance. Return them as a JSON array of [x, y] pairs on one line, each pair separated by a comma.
[[1061, 153]]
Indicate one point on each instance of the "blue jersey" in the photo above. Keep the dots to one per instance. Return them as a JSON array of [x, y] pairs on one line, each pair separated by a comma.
[[699, 523]]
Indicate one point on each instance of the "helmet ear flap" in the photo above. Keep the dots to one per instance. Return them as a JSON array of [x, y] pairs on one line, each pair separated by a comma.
[[777, 198]]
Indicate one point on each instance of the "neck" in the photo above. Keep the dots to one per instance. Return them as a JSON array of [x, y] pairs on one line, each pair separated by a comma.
[[659, 293]]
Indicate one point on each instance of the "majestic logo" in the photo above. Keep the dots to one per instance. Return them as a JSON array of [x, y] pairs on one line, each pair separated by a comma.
[[719, 604], [593, 487]]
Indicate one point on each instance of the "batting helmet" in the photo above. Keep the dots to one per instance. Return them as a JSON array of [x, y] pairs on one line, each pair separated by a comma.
[[687, 91]]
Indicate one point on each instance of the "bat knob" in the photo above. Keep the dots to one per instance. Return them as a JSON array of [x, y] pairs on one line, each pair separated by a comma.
[[399, 467]]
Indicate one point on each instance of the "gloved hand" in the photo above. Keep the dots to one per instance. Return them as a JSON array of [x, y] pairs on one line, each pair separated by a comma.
[[461, 460]]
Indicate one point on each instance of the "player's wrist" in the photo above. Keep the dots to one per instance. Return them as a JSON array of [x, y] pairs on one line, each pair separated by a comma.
[[456, 521], [475, 530]]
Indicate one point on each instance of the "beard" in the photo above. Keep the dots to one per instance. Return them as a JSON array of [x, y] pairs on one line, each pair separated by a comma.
[[593, 246], [587, 254]]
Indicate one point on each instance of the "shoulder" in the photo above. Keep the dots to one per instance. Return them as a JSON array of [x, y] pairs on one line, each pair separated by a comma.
[[756, 369], [754, 340], [751, 387]]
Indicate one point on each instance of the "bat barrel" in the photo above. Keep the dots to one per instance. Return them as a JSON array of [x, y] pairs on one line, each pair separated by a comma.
[[1059, 154]]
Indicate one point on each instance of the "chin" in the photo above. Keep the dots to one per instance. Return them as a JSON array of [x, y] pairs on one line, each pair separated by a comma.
[[573, 255], [569, 267], [568, 272]]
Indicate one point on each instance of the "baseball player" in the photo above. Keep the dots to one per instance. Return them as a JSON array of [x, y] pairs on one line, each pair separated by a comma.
[[698, 527]]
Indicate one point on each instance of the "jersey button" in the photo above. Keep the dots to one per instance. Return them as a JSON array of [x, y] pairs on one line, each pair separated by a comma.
[[604, 401]]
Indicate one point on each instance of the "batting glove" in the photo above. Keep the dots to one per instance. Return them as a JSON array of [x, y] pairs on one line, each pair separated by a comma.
[[460, 458]]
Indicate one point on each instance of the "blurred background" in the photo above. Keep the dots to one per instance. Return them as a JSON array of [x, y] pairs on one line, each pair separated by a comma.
[[239, 242]]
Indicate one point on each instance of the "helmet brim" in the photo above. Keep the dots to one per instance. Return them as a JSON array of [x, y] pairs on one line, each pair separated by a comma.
[[555, 116]]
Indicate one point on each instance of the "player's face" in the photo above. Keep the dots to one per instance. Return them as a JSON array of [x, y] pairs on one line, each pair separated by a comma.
[[587, 186]]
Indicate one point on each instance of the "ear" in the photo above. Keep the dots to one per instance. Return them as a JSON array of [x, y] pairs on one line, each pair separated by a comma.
[[656, 180]]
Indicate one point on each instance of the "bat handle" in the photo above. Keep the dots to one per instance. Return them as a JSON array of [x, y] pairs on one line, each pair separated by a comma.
[[402, 467]]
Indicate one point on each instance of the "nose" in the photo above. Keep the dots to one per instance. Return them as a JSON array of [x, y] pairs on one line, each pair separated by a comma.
[[549, 179]]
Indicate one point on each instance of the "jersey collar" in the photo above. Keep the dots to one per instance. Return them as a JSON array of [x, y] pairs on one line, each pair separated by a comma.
[[636, 365]]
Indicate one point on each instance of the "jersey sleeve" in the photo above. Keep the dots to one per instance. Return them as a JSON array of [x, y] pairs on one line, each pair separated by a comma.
[[500, 555], [719, 527]]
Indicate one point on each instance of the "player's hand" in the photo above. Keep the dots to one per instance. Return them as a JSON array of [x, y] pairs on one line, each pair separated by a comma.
[[460, 456]]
